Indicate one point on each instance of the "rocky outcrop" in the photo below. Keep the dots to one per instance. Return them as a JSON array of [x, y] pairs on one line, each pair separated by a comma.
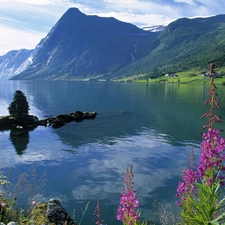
[[30, 122], [26, 122], [57, 214], [6, 122], [64, 119], [51, 213]]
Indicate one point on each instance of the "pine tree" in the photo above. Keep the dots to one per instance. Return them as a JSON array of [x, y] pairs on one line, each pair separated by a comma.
[[19, 107]]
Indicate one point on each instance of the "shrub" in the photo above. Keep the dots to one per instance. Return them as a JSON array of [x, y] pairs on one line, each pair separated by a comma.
[[19, 106]]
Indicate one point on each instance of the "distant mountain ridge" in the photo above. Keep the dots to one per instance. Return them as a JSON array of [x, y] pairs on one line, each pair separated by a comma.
[[16, 61], [11, 62], [82, 47]]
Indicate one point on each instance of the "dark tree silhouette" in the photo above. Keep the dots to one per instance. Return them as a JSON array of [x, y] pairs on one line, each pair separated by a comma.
[[19, 107], [20, 141]]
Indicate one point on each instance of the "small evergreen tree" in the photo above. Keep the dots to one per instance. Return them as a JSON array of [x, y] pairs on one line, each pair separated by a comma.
[[19, 106]]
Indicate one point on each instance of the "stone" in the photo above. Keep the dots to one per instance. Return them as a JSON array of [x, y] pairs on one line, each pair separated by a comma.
[[64, 119], [6, 122], [30, 122], [57, 214]]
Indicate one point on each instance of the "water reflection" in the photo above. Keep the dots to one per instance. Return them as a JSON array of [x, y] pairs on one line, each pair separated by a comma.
[[20, 140], [151, 127], [170, 109], [99, 168]]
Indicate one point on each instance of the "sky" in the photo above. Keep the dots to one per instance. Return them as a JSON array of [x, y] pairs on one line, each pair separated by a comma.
[[23, 23]]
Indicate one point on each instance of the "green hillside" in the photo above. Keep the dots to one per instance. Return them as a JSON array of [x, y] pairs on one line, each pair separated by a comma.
[[186, 44]]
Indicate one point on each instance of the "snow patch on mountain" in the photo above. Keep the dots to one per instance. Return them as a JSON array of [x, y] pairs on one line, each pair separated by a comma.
[[157, 28], [16, 61], [11, 62]]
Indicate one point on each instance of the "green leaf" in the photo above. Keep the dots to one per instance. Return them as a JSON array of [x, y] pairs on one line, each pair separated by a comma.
[[221, 217], [214, 222]]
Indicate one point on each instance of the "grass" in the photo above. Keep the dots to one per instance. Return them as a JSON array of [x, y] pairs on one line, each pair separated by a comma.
[[191, 76], [188, 77]]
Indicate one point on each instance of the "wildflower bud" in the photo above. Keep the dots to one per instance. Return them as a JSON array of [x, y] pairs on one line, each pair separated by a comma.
[[206, 102], [33, 203], [204, 127], [204, 115]]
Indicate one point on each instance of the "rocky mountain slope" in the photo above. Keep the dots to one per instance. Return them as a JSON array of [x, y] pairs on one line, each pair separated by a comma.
[[11, 62], [16, 61], [81, 46]]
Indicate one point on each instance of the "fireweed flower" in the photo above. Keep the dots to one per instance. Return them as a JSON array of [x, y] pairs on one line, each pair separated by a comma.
[[212, 154], [211, 160], [200, 192], [127, 209], [186, 187]]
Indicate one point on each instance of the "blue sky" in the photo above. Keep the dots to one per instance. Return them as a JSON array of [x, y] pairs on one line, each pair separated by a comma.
[[24, 22]]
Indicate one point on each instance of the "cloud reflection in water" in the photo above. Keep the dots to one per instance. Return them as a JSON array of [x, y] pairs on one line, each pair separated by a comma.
[[155, 163], [97, 170]]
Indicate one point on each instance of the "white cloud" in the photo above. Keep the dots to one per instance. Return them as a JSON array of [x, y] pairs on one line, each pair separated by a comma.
[[32, 2], [138, 7], [23, 25], [189, 2], [213, 8], [17, 39], [140, 20], [144, 13]]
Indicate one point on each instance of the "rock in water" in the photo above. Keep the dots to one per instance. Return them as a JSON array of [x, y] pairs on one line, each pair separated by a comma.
[[57, 214]]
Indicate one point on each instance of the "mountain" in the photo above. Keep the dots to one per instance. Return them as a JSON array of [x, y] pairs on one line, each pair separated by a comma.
[[16, 61], [92, 47], [183, 45], [11, 62], [81, 46]]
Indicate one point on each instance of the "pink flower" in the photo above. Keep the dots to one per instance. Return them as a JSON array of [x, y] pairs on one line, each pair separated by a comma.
[[127, 209], [186, 187], [213, 150], [33, 203]]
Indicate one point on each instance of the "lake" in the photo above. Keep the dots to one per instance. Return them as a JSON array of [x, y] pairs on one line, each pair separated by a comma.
[[151, 126]]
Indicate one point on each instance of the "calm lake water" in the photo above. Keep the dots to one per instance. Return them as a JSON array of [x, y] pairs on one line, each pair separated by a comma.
[[151, 126]]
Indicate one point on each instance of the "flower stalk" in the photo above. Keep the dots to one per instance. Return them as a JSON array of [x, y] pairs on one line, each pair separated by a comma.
[[98, 214], [127, 209]]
